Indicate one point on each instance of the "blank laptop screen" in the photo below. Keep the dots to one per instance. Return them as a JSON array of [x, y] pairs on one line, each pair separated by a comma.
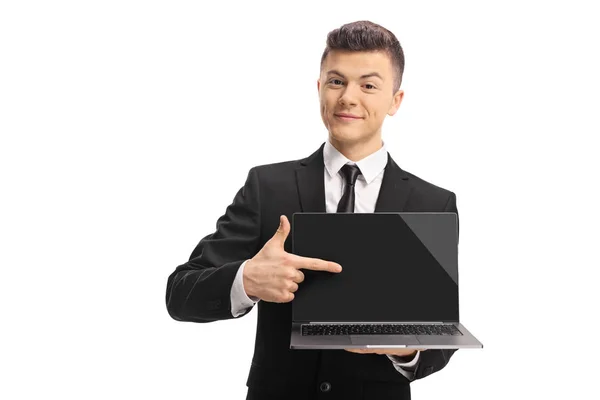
[[396, 267]]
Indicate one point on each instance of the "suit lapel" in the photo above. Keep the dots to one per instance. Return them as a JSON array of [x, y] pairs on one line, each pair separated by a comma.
[[395, 188], [393, 195], [311, 183]]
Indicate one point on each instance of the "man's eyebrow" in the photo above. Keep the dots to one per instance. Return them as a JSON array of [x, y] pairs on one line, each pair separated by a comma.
[[333, 71]]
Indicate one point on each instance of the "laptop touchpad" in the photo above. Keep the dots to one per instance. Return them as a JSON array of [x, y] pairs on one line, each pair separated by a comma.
[[383, 340]]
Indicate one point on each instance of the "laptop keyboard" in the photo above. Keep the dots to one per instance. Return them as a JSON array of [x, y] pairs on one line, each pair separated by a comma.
[[380, 329]]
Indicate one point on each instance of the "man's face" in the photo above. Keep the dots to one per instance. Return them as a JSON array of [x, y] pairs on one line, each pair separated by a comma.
[[358, 84]]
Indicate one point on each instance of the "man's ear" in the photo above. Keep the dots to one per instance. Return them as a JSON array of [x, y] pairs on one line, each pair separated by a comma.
[[396, 101], [319, 85]]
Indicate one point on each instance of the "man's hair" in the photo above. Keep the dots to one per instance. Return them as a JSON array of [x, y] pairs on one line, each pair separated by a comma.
[[367, 36]]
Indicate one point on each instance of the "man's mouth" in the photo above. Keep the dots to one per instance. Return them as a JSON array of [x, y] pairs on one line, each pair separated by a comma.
[[347, 117]]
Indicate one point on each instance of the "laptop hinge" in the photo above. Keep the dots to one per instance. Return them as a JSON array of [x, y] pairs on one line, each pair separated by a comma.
[[374, 322]]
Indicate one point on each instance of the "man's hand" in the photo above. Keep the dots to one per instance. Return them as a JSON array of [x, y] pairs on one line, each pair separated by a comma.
[[274, 274], [391, 352]]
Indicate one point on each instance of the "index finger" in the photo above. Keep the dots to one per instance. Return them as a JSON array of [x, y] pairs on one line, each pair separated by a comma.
[[314, 264]]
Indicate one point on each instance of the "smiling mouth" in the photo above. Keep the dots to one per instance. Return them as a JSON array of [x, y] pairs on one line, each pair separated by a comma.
[[343, 118]]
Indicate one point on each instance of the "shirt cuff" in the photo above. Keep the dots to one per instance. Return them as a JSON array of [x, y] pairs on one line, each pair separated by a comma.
[[405, 368], [240, 301]]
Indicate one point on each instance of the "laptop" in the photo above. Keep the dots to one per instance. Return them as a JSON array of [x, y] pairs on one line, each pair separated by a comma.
[[398, 287]]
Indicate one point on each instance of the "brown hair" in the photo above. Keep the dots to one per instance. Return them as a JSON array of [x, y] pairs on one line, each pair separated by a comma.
[[367, 36]]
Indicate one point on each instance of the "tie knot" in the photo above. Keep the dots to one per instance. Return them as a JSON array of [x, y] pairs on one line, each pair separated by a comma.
[[350, 173]]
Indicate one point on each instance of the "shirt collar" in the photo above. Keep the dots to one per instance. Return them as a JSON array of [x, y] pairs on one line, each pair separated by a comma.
[[370, 166]]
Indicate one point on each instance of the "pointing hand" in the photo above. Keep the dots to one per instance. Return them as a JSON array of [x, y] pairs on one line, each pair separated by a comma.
[[273, 274]]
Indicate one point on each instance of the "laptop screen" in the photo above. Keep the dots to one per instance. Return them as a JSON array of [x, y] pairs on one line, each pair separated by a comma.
[[396, 267]]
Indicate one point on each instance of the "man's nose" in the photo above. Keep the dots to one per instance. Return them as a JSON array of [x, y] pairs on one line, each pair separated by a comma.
[[349, 96]]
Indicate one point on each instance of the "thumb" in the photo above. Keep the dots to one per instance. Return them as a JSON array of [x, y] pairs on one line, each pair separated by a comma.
[[283, 231]]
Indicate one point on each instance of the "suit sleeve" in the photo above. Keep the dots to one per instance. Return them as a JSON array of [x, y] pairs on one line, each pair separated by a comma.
[[432, 361], [200, 289]]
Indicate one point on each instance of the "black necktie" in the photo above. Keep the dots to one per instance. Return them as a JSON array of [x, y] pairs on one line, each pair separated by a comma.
[[350, 173]]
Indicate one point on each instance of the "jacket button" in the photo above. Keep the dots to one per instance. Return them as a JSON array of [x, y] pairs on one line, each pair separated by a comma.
[[325, 387]]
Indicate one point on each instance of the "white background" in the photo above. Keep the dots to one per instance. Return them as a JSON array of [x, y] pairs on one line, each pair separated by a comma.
[[127, 127]]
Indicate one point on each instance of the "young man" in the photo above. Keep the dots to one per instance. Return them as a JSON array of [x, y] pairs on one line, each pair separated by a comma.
[[248, 259]]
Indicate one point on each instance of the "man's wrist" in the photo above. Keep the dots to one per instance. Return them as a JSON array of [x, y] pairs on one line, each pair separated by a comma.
[[245, 284]]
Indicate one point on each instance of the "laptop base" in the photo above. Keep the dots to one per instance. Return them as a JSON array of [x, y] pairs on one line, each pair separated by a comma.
[[333, 342]]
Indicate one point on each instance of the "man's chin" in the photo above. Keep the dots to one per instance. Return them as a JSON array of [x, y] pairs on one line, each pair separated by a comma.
[[346, 137]]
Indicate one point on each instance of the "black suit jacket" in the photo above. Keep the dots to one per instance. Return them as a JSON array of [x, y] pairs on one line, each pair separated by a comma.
[[199, 290]]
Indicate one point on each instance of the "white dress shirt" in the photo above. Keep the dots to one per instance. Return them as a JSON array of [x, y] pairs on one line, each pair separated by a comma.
[[366, 191]]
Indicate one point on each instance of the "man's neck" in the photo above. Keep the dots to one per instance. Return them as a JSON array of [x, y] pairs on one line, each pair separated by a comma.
[[357, 151]]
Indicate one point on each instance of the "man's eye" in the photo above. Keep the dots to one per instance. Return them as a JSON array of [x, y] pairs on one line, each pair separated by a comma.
[[336, 80], [373, 87]]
